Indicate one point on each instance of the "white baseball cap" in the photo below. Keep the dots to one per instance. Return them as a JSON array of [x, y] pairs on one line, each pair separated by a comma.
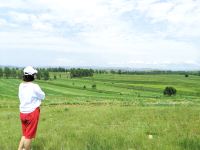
[[29, 70]]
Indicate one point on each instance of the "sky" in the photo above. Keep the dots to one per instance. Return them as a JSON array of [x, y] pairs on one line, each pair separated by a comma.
[[160, 34]]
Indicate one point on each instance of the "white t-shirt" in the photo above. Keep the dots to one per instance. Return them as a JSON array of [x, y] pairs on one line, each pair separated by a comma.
[[30, 96]]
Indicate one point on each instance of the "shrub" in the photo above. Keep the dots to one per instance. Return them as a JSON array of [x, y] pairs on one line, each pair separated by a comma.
[[186, 75], [169, 91], [94, 86]]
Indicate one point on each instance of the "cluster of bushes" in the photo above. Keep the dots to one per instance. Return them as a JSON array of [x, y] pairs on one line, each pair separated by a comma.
[[81, 72], [93, 86]]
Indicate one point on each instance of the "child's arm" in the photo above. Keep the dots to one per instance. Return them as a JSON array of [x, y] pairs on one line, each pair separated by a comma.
[[40, 94]]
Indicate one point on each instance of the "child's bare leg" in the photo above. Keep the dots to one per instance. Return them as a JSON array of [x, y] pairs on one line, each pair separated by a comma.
[[27, 144], [21, 143]]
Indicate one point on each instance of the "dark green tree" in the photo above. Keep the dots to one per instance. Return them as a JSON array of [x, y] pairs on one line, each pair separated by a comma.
[[94, 86], [1, 72], [7, 72], [119, 72], [186, 75], [39, 75], [54, 77], [46, 75], [13, 73], [19, 73], [169, 91]]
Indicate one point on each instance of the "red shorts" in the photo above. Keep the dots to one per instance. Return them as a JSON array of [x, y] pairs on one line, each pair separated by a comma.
[[29, 123]]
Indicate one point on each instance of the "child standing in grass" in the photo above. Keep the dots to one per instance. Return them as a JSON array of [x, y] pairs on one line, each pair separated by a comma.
[[30, 96]]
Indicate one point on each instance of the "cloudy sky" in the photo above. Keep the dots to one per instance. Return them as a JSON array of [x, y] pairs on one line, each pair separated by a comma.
[[103, 33]]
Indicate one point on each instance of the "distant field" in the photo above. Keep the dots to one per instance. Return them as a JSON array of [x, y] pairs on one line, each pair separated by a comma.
[[132, 89], [119, 114]]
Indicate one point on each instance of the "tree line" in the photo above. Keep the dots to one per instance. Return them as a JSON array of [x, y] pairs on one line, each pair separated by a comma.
[[44, 73], [152, 72], [8, 72]]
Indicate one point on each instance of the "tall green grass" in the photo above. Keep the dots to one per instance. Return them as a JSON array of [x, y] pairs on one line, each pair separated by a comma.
[[112, 127]]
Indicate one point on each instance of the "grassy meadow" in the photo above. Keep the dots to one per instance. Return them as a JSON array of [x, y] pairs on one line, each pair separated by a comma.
[[123, 112]]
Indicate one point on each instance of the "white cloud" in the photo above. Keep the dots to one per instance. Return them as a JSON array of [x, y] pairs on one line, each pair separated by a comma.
[[22, 17], [3, 22], [173, 11], [42, 26], [99, 27], [182, 17], [12, 4]]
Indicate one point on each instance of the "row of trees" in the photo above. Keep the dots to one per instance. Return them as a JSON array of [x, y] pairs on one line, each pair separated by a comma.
[[43, 73], [10, 72], [152, 72], [18, 72], [81, 72], [120, 71], [60, 69]]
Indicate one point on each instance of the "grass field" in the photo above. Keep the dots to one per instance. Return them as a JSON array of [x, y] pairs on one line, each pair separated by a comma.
[[119, 114]]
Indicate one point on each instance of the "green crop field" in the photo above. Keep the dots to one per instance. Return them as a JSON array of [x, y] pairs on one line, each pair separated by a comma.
[[123, 112]]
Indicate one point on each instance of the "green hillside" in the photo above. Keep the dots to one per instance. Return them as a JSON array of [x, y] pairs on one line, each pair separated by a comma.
[[132, 89], [123, 112]]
